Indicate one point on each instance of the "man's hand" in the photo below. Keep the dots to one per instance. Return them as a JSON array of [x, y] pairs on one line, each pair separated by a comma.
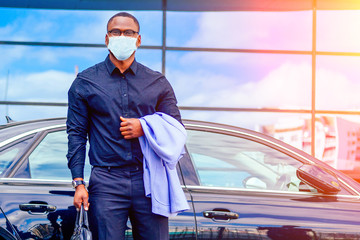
[[81, 196], [131, 128]]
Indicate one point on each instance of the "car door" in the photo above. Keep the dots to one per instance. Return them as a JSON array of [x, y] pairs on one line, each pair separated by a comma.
[[38, 197], [248, 188]]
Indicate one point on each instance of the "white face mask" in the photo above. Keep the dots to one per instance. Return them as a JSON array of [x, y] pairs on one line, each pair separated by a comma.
[[122, 47]]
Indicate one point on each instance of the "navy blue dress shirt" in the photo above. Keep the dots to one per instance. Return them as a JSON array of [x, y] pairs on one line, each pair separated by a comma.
[[97, 98]]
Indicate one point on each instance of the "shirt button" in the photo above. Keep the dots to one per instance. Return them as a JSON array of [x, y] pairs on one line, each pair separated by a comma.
[[125, 94]]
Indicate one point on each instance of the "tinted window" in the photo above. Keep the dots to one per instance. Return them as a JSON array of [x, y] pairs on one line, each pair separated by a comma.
[[48, 160], [10, 154], [227, 161]]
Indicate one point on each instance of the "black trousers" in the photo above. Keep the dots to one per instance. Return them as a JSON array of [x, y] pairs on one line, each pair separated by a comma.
[[116, 194]]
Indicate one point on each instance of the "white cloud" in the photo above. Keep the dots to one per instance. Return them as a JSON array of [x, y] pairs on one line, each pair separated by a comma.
[[93, 30], [23, 58], [289, 85], [338, 31], [25, 28], [50, 86], [11, 54], [285, 87], [47, 86], [216, 59], [264, 30], [54, 26], [6, 30], [336, 91]]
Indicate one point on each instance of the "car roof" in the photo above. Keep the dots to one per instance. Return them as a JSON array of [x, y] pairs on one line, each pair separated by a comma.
[[12, 129]]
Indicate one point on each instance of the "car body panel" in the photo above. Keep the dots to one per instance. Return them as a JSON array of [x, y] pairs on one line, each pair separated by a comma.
[[265, 214], [38, 225], [60, 223]]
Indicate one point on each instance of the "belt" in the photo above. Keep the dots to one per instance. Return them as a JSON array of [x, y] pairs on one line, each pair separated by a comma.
[[128, 167]]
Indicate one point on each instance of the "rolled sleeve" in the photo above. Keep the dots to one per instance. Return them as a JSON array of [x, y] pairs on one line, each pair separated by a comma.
[[77, 130]]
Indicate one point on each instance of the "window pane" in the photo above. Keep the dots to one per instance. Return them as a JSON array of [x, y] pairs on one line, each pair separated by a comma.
[[29, 59], [338, 140], [36, 73], [48, 160], [337, 83], [240, 79], [10, 154], [338, 31], [246, 30], [150, 58], [71, 26], [228, 161], [44, 74]]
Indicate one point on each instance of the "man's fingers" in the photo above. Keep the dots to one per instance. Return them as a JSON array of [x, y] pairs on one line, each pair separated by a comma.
[[125, 133], [81, 196], [124, 124], [123, 120], [126, 128], [86, 204], [130, 128], [77, 204]]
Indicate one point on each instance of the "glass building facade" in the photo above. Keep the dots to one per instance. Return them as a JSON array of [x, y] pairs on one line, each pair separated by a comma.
[[293, 75]]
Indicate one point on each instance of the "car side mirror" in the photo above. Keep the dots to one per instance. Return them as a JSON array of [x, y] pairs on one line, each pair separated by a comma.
[[318, 178]]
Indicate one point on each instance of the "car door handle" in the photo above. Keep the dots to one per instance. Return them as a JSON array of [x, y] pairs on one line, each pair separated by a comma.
[[37, 208], [220, 215]]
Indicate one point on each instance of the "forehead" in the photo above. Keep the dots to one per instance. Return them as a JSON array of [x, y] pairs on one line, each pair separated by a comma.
[[122, 23]]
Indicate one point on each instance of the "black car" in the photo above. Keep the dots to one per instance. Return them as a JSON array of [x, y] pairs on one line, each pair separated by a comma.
[[240, 184]]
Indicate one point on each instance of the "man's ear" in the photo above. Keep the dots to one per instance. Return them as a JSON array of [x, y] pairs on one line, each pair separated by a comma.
[[106, 39], [138, 42]]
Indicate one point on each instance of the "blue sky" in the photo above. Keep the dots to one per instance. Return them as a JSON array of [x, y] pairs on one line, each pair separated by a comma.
[[199, 79]]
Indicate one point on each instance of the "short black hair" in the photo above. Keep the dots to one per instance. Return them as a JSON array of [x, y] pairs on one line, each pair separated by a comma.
[[124, 14]]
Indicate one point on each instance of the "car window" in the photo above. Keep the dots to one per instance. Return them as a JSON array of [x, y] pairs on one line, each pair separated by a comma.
[[48, 160], [9, 154], [227, 161]]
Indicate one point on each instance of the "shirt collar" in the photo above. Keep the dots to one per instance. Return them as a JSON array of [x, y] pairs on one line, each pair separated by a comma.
[[111, 67]]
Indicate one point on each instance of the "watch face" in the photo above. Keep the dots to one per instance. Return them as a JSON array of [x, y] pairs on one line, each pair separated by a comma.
[[77, 183]]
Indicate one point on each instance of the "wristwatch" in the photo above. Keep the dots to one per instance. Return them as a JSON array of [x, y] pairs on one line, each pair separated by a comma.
[[76, 183]]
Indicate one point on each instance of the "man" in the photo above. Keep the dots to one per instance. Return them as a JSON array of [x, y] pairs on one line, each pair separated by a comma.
[[105, 104]]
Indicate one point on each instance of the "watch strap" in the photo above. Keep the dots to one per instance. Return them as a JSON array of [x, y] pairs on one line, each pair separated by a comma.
[[76, 183]]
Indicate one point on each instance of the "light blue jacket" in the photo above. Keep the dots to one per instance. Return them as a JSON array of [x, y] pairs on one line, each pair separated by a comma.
[[162, 146]]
